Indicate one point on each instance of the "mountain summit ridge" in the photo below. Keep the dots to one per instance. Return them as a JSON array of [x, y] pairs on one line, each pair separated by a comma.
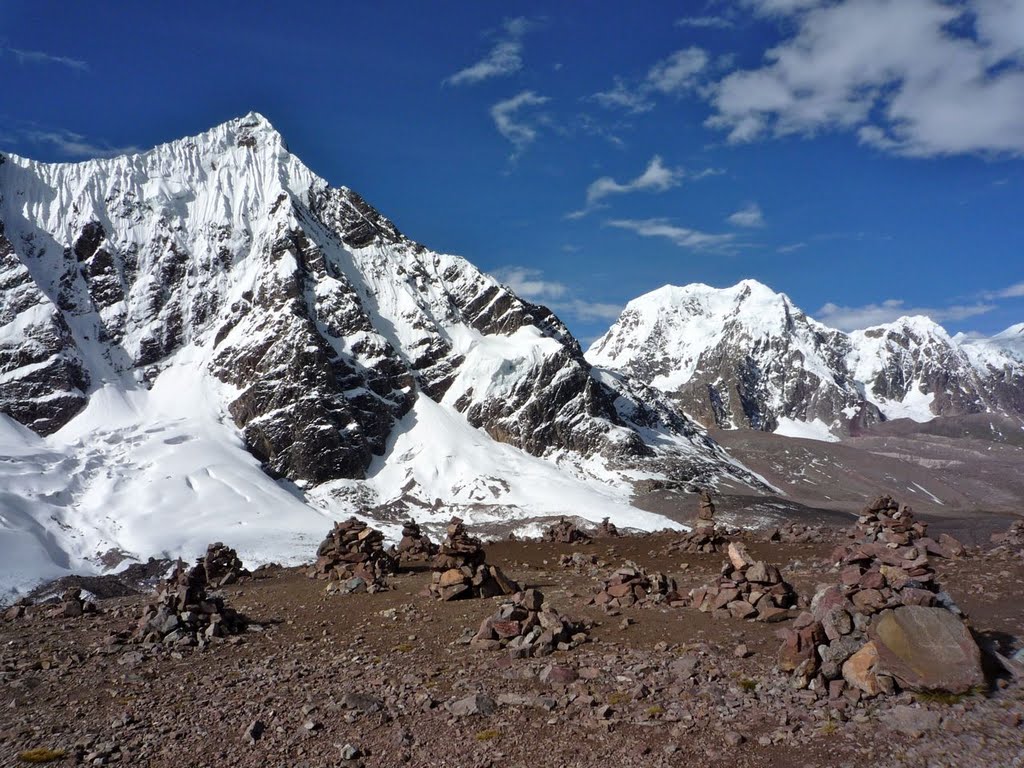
[[747, 356]]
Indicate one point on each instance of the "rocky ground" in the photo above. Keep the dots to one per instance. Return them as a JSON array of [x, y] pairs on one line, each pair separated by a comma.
[[394, 677]]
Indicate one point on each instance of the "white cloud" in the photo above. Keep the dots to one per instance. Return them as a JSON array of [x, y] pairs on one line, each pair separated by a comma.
[[704, 22], [510, 125], [675, 74], [75, 144], [505, 58], [790, 248], [678, 72], [590, 310], [748, 216], [655, 178], [39, 57], [854, 318], [530, 284], [906, 76], [1014, 291], [681, 236]]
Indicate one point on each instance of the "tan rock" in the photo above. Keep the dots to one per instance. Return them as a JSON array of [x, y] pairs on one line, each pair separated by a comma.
[[859, 670]]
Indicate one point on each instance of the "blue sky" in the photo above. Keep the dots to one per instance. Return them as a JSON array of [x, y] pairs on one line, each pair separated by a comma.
[[863, 156]]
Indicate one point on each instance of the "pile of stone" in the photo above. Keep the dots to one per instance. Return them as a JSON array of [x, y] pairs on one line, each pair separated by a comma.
[[353, 558], [415, 545], [70, 606], [580, 561], [221, 566], [607, 528], [795, 533], [885, 521], [527, 626], [182, 613], [1011, 541], [566, 532], [705, 510], [461, 570], [746, 589], [632, 585], [876, 630], [703, 539]]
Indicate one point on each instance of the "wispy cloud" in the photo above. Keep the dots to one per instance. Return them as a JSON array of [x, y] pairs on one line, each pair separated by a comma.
[[505, 58], [705, 22], [530, 284], [848, 318], [691, 239], [911, 77], [74, 144], [748, 216], [657, 177], [790, 248], [40, 57], [675, 74], [1014, 291], [511, 125]]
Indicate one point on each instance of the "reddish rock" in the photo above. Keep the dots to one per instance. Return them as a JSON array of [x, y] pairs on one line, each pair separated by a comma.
[[859, 670], [927, 649]]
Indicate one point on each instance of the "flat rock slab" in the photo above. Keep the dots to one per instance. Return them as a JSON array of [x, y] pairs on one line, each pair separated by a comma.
[[927, 649]]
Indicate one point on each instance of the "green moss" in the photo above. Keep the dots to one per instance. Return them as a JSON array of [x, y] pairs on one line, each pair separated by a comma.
[[488, 735], [655, 710], [41, 755], [748, 685]]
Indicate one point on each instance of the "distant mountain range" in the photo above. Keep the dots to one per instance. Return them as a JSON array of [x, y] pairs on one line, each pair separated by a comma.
[[747, 357]]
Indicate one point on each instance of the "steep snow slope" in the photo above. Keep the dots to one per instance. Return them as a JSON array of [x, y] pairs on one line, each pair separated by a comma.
[[182, 323], [745, 356]]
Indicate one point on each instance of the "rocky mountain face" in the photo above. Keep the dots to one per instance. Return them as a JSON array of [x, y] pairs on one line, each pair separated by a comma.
[[746, 357], [320, 322]]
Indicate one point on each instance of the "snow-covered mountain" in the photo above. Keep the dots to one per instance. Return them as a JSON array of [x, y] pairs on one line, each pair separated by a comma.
[[206, 340], [747, 357]]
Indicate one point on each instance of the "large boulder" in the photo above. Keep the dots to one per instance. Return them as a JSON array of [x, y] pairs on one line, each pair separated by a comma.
[[927, 649]]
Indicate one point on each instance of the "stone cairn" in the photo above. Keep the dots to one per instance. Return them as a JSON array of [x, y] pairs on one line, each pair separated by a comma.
[[705, 537], [353, 558], [566, 532], [795, 533], [607, 529], [581, 561], [221, 566], [183, 614], [461, 570], [884, 521], [746, 589], [528, 626], [632, 585], [72, 605], [861, 633], [415, 545]]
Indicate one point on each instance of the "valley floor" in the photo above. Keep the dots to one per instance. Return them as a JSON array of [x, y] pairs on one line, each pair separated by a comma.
[[655, 686]]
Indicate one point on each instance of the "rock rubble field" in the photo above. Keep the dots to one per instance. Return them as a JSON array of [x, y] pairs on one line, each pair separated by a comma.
[[880, 645]]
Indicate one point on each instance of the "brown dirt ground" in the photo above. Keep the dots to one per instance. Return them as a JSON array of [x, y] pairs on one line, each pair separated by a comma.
[[63, 687]]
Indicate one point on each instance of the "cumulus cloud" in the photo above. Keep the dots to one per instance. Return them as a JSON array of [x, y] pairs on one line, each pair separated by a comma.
[[912, 77], [748, 216], [854, 318], [505, 58], [691, 239], [677, 73], [511, 124], [39, 57], [657, 177]]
